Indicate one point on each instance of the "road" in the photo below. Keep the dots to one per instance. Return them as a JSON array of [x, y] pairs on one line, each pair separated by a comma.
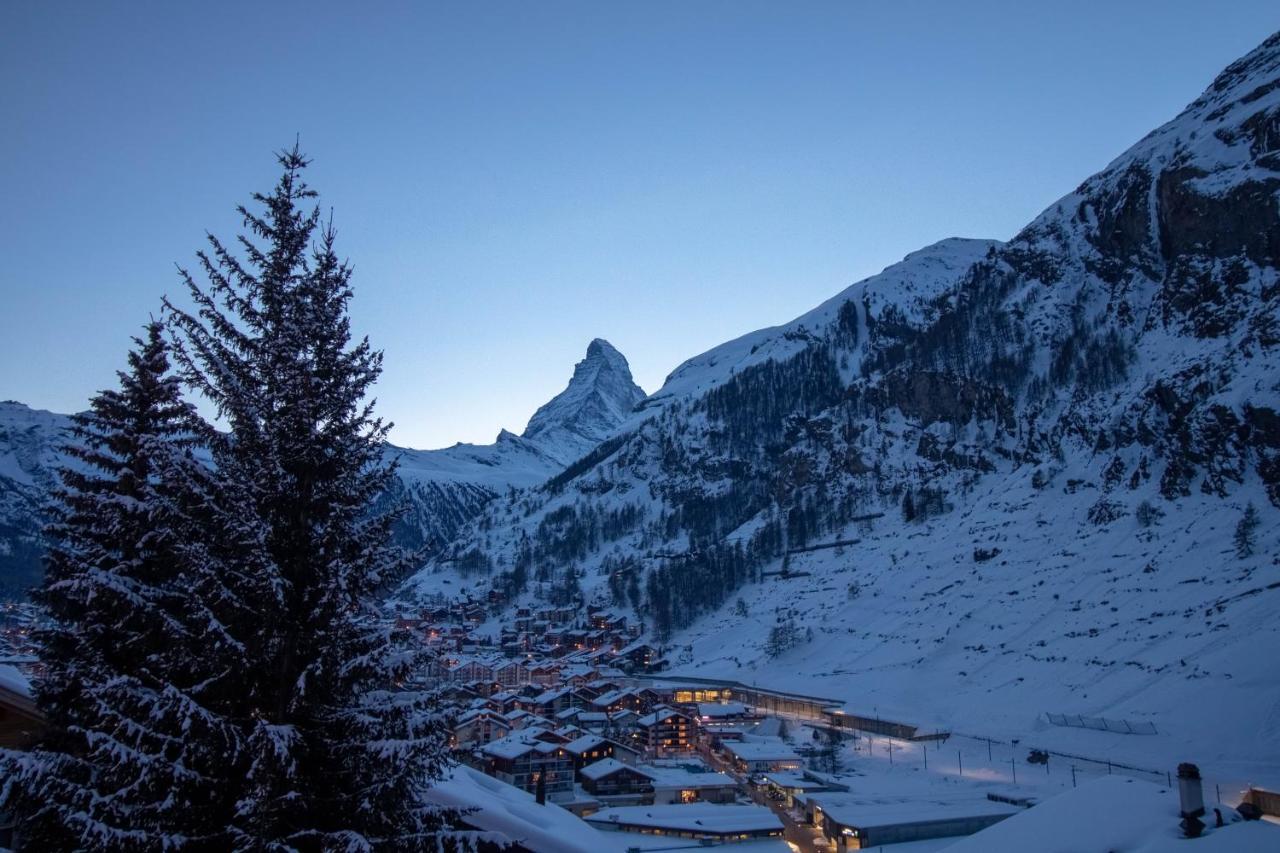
[[804, 837]]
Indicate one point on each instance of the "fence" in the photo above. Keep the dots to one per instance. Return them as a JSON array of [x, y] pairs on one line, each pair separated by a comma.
[[1123, 727]]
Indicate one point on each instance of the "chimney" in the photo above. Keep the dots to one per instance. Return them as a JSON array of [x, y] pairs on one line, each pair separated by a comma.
[[1190, 791]]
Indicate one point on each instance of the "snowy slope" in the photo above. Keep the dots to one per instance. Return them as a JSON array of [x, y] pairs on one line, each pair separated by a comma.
[[910, 284], [1057, 435]]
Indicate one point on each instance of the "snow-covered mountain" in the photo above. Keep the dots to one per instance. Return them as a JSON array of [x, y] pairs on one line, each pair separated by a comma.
[[1035, 454], [444, 488], [29, 440], [599, 397]]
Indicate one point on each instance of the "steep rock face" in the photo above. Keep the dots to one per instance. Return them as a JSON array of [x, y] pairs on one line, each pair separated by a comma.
[[1114, 364]]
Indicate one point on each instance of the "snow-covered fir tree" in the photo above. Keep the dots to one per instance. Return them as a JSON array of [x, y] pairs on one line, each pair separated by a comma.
[[136, 754], [337, 742]]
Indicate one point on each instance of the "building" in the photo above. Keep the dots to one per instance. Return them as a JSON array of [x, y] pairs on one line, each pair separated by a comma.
[[611, 781], [680, 784], [525, 763], [667, 732], [789, 787], [512, 673], [762, 756], [590, 748], [855, 822], [480, 726], [640, 657], [704, 822]]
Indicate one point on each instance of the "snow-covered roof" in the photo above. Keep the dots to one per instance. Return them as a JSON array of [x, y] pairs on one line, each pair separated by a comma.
[[762, 750], [658, 716], [551, 695], [868, 810], [1116, 813], [508, 747], [708, 818], [479, 712], [800, 780], [605, 766], [679, 777], [584, 743], [721, 709]]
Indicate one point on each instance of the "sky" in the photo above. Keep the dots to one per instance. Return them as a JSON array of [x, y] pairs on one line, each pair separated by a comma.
[[512, 180]]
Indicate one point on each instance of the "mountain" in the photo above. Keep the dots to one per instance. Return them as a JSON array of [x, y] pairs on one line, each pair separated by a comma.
[[599, 397], [997, 479], [443, 488], [28, 456]]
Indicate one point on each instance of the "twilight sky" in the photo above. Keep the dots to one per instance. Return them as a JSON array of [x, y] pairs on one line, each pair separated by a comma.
[[511, 180]]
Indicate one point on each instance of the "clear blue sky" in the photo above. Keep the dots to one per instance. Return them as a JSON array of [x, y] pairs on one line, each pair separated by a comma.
[[511, 180]]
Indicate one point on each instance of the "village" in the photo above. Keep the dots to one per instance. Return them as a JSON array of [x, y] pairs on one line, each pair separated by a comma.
[[568, 711]]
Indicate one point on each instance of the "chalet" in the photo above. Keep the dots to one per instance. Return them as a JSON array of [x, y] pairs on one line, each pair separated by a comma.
[[641, 657], [519, 717], [622, 721], [610, 780], [507, 700], [616, 700], [544, 734], [524, 763], [579, 674], [590, 748], [480, 726], [435, 615], [570, 732], [544, 673], [551, 702], [679, 784], [459, 694], [409, 623], [593, 721], [471, 671], [512, 673], [666, 731]]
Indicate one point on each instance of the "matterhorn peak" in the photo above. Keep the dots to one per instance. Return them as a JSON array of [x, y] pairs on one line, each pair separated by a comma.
[[599, 396]]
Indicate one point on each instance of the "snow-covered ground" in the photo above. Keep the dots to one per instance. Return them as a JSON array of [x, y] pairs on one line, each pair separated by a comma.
[[1160, 625]]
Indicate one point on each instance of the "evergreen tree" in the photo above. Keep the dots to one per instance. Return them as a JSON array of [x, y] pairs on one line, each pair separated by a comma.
[[136, 754], [1245, 536], [337, 743]]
